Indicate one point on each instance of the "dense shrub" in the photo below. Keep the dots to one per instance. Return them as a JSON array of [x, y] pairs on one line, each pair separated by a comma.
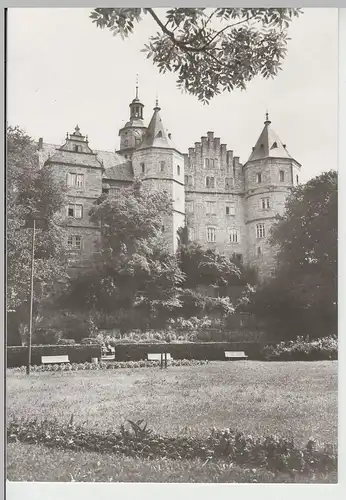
[[17, 356], [66, 342], [110, 365], [302, 350], [136, 440], [46, 336]]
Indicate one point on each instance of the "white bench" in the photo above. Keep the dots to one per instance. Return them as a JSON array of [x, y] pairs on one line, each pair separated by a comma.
[[54, 359], [235, 355], [156, 356]]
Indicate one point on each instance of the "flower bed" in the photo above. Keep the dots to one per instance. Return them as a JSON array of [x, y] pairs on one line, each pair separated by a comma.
[[136, 440], [110, 365]]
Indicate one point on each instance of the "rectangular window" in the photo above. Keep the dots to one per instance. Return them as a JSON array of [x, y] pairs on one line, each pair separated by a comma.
[[265, 203], [259, 178], [260, 231], [80, 180], [211, 207], [189, 207], [234, 236], [191, 233], [210, 182], [230, 209], [282, 176], [74, 242], [297, 179], [211, 234], [188, 180], [75, 210], [259, 251], [75, 180], [162, 166], [238, 257]]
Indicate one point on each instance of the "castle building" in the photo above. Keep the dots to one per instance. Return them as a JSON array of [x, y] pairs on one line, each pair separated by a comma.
[[223, 203]]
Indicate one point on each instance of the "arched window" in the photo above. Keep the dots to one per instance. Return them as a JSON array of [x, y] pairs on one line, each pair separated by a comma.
[[297, 179], [234, 236], [162, 166], [282, 176], [207, 163], [178, 169], [259, 178], [126, 143]]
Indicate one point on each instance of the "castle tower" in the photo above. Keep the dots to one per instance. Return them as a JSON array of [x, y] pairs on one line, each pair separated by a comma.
[[160, 166], [132, 133], [269, 174]]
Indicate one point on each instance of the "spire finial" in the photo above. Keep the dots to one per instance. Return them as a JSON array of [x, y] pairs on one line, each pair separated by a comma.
[[137, 86], [267, 122], [157, 102]]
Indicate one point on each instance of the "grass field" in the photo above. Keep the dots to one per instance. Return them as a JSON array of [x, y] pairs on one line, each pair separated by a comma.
[[297, 399]]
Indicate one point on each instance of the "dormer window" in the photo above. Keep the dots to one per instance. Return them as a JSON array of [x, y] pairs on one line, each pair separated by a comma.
[[159, 134], [76, 148], [274, 145]]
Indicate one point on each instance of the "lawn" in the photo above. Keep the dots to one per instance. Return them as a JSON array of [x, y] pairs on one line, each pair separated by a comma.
[[297, 399]]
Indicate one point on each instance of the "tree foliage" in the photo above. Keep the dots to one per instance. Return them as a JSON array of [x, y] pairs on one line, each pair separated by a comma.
[[133, 271], [31, 193], [210, 50], [301, 299]]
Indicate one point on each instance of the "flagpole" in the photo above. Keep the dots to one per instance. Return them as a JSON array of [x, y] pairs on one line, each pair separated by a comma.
[[31, 297]]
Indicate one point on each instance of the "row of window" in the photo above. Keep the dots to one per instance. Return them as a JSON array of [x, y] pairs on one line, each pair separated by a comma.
[[162, 167], [210, 207], [234, 234], [281, 177], [230, 207], [210, 181]]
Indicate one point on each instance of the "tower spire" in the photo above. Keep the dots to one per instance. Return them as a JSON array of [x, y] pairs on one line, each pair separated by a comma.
[[137, 86], [157, 107]]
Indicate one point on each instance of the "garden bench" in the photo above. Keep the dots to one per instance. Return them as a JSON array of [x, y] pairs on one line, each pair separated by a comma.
[[54, 359], [235, 355], [156, 356]]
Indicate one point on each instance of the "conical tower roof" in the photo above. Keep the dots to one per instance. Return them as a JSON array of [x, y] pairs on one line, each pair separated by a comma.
[[156, 134], [269, 145]]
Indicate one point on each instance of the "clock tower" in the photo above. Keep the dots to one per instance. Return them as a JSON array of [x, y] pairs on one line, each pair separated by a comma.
[[131, 135]]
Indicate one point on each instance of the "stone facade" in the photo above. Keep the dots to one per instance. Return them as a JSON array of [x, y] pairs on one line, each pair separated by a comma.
[[224, 204]]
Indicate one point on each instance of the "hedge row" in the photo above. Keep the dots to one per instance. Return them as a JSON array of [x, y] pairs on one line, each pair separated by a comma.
[[273, 453], [17, 355], [212, 351]]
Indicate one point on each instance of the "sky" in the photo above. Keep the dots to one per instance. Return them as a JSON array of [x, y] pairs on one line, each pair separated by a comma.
[[63, 71]]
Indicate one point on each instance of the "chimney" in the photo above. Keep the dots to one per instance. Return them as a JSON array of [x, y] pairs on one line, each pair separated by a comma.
[[217, 144], [236, 161], [40, 144]]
